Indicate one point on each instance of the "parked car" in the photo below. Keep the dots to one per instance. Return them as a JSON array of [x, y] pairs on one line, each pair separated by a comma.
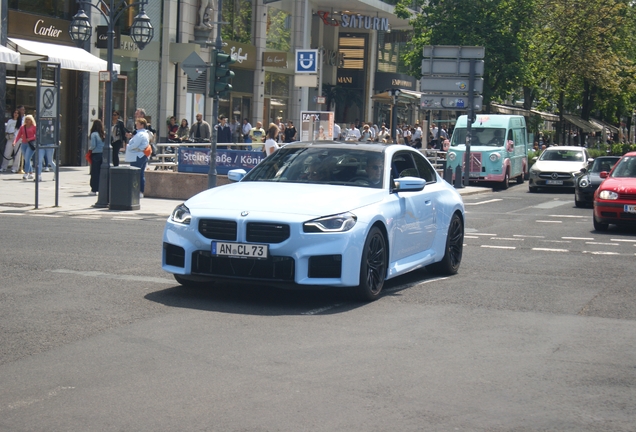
[[588, 181], [615, 198], [320, 214], [558, 166]]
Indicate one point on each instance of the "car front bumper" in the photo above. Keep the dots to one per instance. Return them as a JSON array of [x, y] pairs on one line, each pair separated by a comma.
[[612, 212]]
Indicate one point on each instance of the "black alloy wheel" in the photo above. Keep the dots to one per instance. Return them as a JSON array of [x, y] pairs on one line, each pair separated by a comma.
[[373, 266], [449, 265]]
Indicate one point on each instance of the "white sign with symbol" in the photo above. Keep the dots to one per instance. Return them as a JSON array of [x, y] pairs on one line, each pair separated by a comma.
[[307, 61], [48, 102]]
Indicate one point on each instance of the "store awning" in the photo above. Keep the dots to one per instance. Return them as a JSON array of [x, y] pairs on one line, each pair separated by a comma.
[[8, 56], [512, 110], [602, 124], [68, 57], [405, 95], [584, 125]]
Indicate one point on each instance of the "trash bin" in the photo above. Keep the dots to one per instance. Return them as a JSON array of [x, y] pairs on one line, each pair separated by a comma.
[[124, 188]]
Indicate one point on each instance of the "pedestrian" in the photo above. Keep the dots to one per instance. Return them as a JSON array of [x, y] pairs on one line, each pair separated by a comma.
[[406, 135], [11, 151], [353, 134], [245, 130], [235, 128], [135, 151], [417, 136], [223, 131], [290, 132], [173, 128], [19, 123], [184, 130], [27, 135], [366, 135], [271, 145], [257, 134], [336, 131], [97, 152], [200, 131], [117, 137]]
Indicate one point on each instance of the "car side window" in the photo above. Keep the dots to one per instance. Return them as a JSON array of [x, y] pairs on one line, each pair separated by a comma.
[[425, 169], [401, 164]]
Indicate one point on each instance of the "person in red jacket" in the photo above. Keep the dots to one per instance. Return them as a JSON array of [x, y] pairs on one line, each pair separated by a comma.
[[26, 134]]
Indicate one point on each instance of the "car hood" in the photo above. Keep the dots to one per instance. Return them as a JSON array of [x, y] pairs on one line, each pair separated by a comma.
[[559, 166], [625, 185], [288, 198]]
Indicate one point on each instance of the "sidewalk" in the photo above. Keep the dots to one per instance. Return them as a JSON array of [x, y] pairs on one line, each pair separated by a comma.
[[18, 196]]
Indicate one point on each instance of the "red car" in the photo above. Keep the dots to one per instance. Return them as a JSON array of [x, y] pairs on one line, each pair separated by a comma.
[[615, 198]]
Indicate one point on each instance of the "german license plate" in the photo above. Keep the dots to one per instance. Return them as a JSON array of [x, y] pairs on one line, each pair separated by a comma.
[[630, 208], [554, 182], [239, 250]]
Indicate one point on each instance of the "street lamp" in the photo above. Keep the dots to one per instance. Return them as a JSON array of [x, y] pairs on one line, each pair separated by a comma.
[[141, 33]]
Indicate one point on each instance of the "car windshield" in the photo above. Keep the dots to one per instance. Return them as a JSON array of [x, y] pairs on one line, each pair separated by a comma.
[[490, 137], [603, 164], [321, 165], [562, 155], [626, 167]]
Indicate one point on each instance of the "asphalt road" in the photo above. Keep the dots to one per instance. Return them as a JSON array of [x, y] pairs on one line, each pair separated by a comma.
[[537, 332]]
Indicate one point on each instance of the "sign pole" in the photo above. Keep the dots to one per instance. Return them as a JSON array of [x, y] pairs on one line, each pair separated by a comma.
[[471, 120]]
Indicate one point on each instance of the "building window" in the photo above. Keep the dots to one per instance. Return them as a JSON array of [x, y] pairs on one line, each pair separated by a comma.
[[353, 49], [391, 48], [278, 30], [62, 9], [238, 16]]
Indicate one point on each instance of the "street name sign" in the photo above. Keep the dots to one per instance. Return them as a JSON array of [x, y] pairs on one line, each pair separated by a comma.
[[449, 102], [450, 67], [450, 84]]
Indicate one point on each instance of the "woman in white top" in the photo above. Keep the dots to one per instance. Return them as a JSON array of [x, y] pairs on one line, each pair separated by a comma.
[[270, 143], [135, 151], [11, 151]]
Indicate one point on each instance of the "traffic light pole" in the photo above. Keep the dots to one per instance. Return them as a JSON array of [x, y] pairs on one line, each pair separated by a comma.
[[218, 45]]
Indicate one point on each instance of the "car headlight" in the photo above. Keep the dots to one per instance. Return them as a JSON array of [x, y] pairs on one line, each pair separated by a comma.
[[337, 223], [584, 182], [608, 195], [452, 156], [494, 157], [181, 214]]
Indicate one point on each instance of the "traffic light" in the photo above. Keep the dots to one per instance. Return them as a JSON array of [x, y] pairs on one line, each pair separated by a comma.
[[222, 74]]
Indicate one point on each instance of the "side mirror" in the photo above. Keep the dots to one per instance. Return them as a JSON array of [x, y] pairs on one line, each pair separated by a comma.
[[236, 175], [408, 184], [603, 174]]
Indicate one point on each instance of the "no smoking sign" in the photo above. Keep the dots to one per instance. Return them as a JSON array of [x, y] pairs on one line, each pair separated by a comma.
[[48, 101]]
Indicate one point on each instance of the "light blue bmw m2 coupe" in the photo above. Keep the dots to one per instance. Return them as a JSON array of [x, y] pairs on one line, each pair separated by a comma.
[[320, 214]]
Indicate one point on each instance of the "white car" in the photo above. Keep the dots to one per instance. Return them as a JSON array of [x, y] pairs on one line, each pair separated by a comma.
[[319, 214], [558, 166]]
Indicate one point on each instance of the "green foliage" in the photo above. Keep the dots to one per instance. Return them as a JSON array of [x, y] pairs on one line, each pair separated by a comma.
[[278, 30]]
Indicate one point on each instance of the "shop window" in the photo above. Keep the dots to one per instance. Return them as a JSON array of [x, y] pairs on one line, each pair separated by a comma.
[[391, 49], [63, 9], [353, 48]]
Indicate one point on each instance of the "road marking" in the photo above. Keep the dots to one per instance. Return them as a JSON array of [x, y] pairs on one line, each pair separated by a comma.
[[483, 234], [556, 241], [472, 237], [548, 221], [552, 204], [115, 276], [506, 238], [498, 247], [569, 216], [401, 287], [322, 309], [125, 218], [550, 250], [601, 253], [484, 202], [624, 240], [44, 215], [527, 236], [602, 244], [578, 238]]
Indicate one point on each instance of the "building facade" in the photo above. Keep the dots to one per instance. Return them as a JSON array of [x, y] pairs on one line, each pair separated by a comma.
[[360, 50]]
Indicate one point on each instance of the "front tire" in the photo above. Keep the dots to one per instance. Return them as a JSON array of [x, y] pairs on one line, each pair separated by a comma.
[[505, 184], [579, 204], [449, 265], [600, 226], [372, 266]]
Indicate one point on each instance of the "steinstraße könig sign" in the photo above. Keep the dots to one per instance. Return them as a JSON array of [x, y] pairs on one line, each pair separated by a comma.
[[197, 160]]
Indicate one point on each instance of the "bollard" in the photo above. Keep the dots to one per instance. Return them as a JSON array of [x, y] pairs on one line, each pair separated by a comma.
[[448, 175], [458, 177]]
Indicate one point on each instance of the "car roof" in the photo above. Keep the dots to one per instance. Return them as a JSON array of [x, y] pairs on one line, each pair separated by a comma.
[[554, 148], [357, 145]]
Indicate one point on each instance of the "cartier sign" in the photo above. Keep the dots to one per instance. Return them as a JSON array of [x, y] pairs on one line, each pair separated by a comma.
[[39, 28]]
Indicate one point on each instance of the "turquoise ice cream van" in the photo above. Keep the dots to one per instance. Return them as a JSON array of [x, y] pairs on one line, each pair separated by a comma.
[[498, 150]]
